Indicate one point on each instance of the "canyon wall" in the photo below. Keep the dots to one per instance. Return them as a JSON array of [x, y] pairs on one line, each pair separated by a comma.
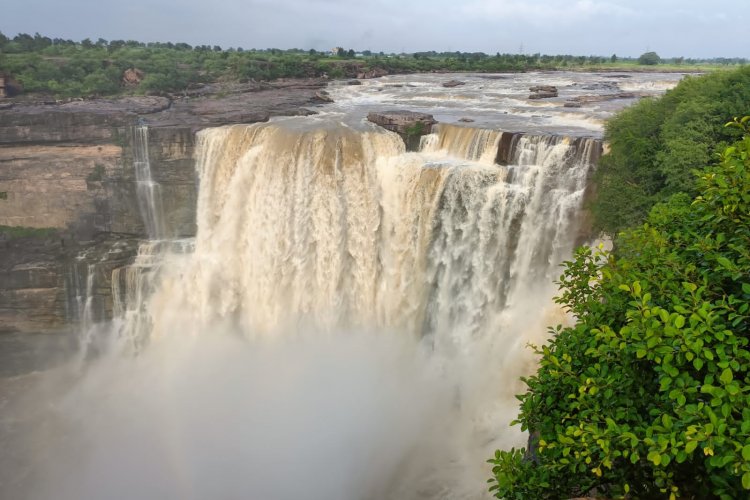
[[68, 188]]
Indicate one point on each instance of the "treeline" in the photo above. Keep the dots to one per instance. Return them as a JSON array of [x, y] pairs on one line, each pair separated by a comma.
[[68, 68]]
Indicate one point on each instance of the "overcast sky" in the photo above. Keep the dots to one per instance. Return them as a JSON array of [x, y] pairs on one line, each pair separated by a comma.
[[690, 28]]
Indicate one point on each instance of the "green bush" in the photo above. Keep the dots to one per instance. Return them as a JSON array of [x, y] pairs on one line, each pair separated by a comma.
[[648, 395], [656, 143], [649, 59]]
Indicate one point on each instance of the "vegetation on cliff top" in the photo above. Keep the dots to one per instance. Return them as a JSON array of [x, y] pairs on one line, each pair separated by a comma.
[[67, 68], [648, 395], [656, 143], [17, 232]]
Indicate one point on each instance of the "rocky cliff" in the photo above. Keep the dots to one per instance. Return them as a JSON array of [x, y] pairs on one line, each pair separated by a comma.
[[68, 168]]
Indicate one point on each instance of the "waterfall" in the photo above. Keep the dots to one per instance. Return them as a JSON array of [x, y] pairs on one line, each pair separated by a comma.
[[80, 296], [148, 192], [469, 143], [340, 228], [132, 286], [349, 314]]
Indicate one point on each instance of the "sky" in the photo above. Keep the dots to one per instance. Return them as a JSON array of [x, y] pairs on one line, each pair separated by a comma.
[[689, 28]]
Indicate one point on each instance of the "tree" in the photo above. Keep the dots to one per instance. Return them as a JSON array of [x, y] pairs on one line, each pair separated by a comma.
[[613, 59], [649, 59], [648, 395]]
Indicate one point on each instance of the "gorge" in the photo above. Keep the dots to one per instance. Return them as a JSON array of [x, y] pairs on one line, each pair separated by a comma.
[[295, 298]]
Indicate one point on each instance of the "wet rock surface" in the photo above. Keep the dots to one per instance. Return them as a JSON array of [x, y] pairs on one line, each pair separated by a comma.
[[410, 125], [453, 83], [402, 121], [542, 92], [372, 73], [587, 99]]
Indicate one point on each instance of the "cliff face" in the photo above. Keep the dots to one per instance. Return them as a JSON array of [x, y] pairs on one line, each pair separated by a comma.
[[57, 186], [70, 167], [32, 294]]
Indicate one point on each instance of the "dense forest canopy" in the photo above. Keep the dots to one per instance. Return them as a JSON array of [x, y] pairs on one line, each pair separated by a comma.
[[66, 68]]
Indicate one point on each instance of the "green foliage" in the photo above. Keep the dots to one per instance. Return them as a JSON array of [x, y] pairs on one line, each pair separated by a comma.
[[649, 59], [66, 68], [657, 143], [15, 232], [96, 175], [648, 395], [415, 130]]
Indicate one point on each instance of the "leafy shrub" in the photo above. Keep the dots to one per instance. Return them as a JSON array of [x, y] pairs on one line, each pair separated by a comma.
[[656, 143], [648, 395], [649, 59]]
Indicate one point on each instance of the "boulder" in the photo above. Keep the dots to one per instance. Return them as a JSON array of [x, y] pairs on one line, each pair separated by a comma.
[[410, 125], [373, 73], [402, 121], [543, 95], [132, 77], [607, 86], [354, 82], [543, 88], [322, 96], [465, 120], [543, 92], [453, 83]]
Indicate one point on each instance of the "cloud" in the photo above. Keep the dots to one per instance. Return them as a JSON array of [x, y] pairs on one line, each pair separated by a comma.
[[690, 28], [545, 12]]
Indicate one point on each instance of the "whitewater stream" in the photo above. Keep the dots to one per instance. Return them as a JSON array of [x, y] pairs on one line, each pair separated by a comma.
[[351, 320]]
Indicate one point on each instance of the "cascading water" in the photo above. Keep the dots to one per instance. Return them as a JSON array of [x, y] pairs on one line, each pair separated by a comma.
[[80, 296], [351, 323], [148, 191]]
